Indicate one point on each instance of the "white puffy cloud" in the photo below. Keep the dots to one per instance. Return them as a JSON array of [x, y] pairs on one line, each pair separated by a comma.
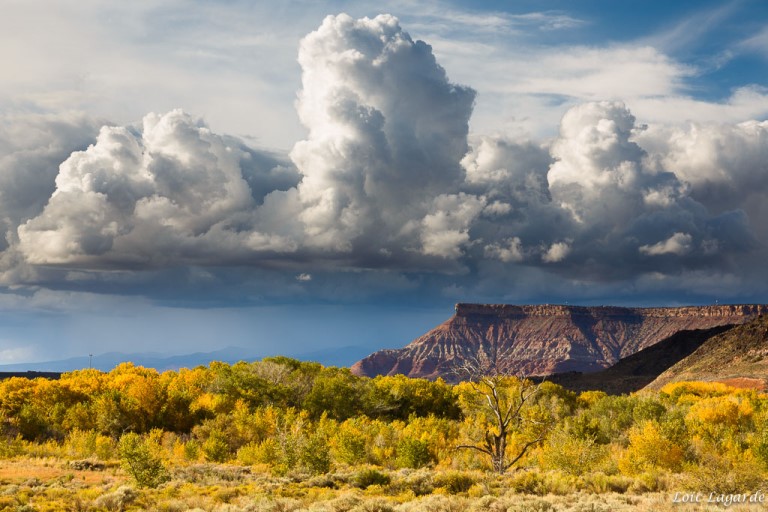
[[604, 179], [386, 133], [378, 176], [726, 165], [519, 215], [556, 252], [594, 150], [731, 156], [678, 243], [595, 203], [725, 168], [446, 229], [169, 192], [32, 146], [508, 251], [514, 170]]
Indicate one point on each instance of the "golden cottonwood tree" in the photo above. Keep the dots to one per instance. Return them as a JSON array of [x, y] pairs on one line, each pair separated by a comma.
[[511, 421]]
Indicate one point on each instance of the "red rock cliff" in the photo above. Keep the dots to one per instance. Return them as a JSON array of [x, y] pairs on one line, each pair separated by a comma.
[[545, 339]]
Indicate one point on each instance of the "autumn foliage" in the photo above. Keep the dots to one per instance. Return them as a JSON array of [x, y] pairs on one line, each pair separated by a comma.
[[284, 417]]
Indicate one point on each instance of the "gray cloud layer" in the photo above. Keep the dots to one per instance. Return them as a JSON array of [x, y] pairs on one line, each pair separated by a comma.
[[386, 179]]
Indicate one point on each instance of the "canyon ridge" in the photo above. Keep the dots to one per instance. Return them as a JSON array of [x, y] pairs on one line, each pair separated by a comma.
[[537, 340]]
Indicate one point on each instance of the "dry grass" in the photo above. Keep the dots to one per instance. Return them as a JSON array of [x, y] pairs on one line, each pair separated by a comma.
[[50, 485], [50, 470], [745, 383]]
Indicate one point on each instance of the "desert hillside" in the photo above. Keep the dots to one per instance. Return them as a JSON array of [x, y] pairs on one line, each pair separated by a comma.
[[738, 356]]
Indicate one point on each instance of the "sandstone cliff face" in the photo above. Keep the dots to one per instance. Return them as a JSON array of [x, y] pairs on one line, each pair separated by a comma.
[[545, 339]]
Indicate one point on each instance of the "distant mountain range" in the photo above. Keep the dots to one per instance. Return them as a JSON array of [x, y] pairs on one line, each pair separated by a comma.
[[338, 356]]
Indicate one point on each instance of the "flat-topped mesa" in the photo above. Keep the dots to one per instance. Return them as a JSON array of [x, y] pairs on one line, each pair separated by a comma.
[[544, 339], [463, 309]]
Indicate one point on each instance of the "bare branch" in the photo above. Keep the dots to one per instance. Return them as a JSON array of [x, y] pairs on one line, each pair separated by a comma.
[[473, 447], [522, 452]]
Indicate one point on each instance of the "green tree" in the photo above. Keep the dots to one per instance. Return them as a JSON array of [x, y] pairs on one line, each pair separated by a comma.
[[400, 397], [348, 443], [335, 392], [140, 463], [414, 453]]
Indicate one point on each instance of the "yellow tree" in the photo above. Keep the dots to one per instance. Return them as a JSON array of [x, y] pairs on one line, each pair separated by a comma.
[[512, 421]]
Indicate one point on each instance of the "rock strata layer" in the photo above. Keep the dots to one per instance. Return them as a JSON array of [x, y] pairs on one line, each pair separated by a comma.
[[544, 339]]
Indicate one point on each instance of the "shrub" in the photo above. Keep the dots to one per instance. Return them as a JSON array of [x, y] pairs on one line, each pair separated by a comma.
[[349, 444], [117, 500], [87, 443], [369, 477], [12, 447], [600, 483], [419, 483], [715, 471], [140, 463], [438, 503], [760, 448], [455, 482], [649, 481], [414, 453], [649, 449], [529, 482], [192, 450], [571, 454], [374, 505], [216, 448], [315, 457]]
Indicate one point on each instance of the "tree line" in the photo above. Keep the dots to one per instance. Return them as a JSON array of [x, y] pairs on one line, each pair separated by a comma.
[[284, 415]]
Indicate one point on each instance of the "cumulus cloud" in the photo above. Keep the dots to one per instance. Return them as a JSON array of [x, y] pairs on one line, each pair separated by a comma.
[[621, 201], [508, 251], [679, 244], [378, 178], [31, 148], [513, 172], [446, 229], [386, 133], [595, 204], [556, 252], [726, 165], [169, 191], [388, 181], [519, 215]]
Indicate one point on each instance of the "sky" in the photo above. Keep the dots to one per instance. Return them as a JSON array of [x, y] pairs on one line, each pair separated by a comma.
[[181, 176]]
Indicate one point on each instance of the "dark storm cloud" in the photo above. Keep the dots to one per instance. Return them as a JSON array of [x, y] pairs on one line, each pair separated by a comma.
[[31, 149]]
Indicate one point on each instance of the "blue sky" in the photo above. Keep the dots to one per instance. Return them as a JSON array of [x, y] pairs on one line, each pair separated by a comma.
[[180, 176]]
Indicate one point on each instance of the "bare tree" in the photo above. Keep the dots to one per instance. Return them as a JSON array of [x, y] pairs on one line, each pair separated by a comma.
[[509, 400]]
